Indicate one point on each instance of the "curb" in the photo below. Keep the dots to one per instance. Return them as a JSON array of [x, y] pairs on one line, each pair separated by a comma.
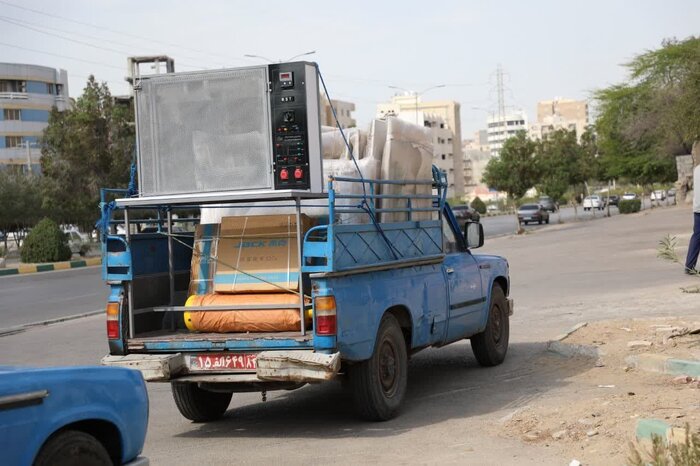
[[664, 364], [33, 268], [21, 328], [571, 350]]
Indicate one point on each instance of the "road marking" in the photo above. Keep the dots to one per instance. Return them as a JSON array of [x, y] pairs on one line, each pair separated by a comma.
[[21, 328]]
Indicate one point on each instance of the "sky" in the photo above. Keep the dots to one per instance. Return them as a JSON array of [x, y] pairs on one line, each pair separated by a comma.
[[547, 49]]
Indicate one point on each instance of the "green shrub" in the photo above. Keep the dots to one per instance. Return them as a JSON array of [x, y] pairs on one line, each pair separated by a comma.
[[45, 243], [478, 205], [630, 206]]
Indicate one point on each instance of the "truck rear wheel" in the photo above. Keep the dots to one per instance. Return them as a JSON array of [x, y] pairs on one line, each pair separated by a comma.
[[197, 404], [379, 383], [491, 345]]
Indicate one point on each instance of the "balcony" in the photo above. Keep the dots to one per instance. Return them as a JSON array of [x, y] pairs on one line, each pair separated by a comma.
[[14, 95]]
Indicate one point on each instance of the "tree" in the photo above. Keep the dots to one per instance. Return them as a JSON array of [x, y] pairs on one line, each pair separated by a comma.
[[514, 171], [653, 116], [20, 198], [563, 162], [84, 149]]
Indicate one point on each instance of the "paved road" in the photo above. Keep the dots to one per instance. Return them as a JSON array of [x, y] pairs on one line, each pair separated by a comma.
[[453, 408], [38, 297]]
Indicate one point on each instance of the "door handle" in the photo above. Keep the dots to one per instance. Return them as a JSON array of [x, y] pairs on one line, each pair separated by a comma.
[[449, 270]]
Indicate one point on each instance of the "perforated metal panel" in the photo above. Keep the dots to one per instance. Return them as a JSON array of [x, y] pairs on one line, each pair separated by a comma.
[[204, 132]]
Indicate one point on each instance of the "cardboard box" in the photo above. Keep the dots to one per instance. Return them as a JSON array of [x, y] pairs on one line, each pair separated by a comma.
[[258, 254]]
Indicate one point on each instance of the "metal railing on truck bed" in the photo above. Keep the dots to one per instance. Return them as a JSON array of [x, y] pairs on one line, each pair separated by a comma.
[[413, 235]]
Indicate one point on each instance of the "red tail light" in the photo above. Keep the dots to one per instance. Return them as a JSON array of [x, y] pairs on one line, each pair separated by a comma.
[[113, 329], [324, 306], [113, 321]]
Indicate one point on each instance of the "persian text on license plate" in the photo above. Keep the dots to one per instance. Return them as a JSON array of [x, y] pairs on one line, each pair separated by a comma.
[[219, 362]]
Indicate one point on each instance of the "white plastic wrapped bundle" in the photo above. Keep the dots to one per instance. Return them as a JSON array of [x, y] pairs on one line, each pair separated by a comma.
[[408, 155], [369, 164]]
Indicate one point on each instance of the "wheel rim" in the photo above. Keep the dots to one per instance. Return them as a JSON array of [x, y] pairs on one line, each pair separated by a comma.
[[388, 367], [496, 324]]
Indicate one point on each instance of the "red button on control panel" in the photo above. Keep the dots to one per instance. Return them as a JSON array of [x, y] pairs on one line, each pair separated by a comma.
[[298, 173], [284, 174]]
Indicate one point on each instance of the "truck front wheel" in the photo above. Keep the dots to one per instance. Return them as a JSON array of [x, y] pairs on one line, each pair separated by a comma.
[[197, 404], [379, 384], [491, 345]]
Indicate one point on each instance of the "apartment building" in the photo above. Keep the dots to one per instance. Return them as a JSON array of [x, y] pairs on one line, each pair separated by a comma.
[[343, 110], [498, 129], [27, 95], [444, 120], [555, 114]]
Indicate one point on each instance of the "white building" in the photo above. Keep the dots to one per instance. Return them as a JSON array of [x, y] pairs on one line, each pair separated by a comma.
[[27, 95], [500, 129]]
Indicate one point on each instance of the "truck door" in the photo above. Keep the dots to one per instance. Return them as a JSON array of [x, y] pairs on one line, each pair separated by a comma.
[[466, 299]]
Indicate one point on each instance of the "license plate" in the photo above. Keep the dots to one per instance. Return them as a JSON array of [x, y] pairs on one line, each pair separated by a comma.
[[527, 218], [221, 362]]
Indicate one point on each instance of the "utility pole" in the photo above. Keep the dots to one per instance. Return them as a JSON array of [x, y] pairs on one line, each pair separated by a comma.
[[501, 99]]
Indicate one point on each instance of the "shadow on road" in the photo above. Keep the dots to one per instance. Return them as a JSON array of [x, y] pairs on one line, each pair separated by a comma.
[[443, 384]]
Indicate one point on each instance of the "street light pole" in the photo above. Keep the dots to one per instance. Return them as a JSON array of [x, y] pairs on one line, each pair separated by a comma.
[[248, 55], [417, 94]]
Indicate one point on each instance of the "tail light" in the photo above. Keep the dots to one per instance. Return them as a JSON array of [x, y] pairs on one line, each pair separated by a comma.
[[113, 321], [324, 307]]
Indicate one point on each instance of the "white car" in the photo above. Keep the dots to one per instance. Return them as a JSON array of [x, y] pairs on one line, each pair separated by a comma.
[[658, 195], [593, 202], [629, 196]]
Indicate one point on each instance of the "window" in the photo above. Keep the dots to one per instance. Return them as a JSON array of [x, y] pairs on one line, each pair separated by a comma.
[[13, 141], [449, 241], [50, 88], [12, 85], [443, 156], [11, 114], [442, 125], [59, 89]]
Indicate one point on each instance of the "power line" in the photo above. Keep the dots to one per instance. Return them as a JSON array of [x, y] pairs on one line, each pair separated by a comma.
[[80, 42], [115, 31], [33, 26], [62, 56]]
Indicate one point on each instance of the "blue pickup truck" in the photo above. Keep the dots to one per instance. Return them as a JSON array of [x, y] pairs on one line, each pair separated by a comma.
[[378, 293], [72, 416]]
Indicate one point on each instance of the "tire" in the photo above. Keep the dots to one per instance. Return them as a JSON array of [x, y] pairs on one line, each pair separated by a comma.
[[491, 345], [199, 405], [547, 221], [539, 222], [73, 448], [525, 223], [379, 383]]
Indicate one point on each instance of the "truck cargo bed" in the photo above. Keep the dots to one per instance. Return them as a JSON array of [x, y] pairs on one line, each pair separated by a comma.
[[184, 339]]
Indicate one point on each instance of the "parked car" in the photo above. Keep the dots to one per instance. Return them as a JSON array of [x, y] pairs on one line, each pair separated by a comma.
[[466, 212], [593, 202], [658, 195], [492, 208], [75, 242], [72, 415], [629, 196], [671, 192], [614, 199], [548, 204], [532, 213]]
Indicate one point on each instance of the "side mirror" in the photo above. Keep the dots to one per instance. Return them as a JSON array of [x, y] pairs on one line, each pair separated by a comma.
[[474, 234]]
